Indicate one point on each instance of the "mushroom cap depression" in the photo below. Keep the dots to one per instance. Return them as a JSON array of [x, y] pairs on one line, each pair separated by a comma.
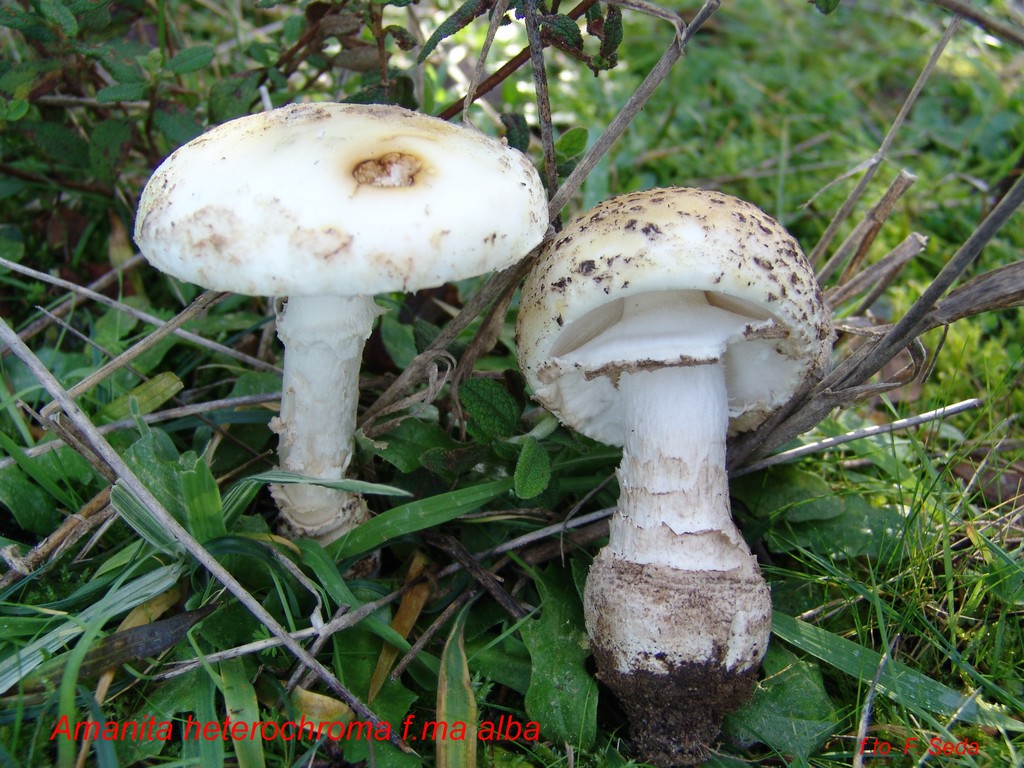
[[339, 199], [682, 240]]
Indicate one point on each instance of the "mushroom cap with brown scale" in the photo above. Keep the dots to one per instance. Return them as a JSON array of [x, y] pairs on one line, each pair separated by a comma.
[[673, 239], [339, 199]]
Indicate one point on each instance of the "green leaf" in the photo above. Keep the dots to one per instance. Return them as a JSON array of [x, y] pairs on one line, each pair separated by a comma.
[[611, 34], [121, 92], [416, 516], [801, 510], [184, 485], [316, 559], [571, 144], [110, 143], [903, 684], [200, 751], [506, 663], [398, 340], [464, 14], [790, 711], [190, 59], [787, 493], [533, 470], [491, 410], [355, 653], [202, 501], [449, 463], [43, 474], [161, 702], [112, 328], [32, 508], [13, 110], [178, 124], [424, 333], [563, 695], [155, 461], [456, 703], [15, 18], [232, 96], [863, 530], [19, 80], [563, 29], [57, 142], [12, 244], [237, 498], [826, 6], [1004, 579], [517, 131], [148, 396], [242, 707], [406, 444], [399, 91], [57, 13], [119, 58]]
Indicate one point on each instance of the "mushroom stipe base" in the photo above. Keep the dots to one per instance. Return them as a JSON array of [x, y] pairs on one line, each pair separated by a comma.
[[675, 718], [707, 631]]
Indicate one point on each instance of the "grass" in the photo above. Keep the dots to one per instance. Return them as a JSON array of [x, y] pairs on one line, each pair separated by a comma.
[[895, 561]]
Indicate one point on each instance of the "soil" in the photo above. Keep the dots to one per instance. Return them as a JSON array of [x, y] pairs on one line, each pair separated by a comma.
[[675, 718]]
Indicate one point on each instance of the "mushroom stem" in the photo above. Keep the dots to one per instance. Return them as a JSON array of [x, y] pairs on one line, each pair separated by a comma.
[[675, 605], [323, 338], [674, 490]]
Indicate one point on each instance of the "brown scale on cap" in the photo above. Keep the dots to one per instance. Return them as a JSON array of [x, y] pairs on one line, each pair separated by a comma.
[[394, 169]]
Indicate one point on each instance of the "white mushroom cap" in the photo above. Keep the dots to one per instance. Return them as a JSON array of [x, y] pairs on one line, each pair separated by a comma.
[[339, 199], [695, 243]]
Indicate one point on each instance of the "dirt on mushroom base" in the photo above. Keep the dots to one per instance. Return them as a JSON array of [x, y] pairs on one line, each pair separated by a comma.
[[710, 629], [675, 718]]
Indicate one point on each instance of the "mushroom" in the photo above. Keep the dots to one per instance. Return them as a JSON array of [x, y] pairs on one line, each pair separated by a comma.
[[327, 205], [664, 321]]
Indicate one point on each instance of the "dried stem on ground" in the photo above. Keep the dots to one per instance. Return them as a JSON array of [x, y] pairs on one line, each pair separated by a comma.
[[990, 24], [871, 166], [145, 317], [847, 383]]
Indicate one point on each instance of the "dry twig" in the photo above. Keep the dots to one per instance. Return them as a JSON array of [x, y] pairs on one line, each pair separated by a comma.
[[872, 165]]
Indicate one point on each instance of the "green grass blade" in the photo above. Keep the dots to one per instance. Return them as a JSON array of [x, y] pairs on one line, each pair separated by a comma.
[[33, 470], [899, 682], [352, 486], [141, 520], [209, 753], [148, 396], [202, 504], [314, 557], [456, 704], [416, 516], [242, 707], [117, 600], [103, 750], [240, 495]]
